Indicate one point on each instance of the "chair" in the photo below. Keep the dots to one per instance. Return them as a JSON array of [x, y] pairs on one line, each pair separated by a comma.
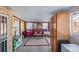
[[62, 42]]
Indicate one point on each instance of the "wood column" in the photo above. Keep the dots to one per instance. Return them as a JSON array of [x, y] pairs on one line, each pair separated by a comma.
[[53, 33]]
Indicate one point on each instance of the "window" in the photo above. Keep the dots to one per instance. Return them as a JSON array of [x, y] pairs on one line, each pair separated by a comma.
[[45, 26], [3, 26], [75, 23], [1, 29], [3, 33], [16, 27], [29, 25], [40, 26]]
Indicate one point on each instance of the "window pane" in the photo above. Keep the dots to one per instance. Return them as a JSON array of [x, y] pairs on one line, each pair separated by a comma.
[[45, 25], [17, 27], [29, 25], [5, 30], [1, 29], [75, 23], [40, 26], [3, 26]]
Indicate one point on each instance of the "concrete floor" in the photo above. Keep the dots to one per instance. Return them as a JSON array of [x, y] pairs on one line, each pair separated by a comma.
[[34, 48]]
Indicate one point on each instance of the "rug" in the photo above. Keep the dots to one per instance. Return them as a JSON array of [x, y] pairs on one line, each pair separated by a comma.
[[36, 42]]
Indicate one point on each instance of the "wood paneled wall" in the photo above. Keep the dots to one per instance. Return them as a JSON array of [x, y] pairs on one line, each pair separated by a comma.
[[63, 25], [60, 28]]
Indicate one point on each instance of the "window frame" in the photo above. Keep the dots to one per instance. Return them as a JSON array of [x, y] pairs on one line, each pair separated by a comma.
[[5, 16], [72, 15]]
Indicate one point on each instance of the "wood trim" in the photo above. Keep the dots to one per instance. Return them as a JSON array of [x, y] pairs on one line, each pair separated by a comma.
[[49, 26], [36, 22], [18, 18], [20, 27], [25, 26]]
